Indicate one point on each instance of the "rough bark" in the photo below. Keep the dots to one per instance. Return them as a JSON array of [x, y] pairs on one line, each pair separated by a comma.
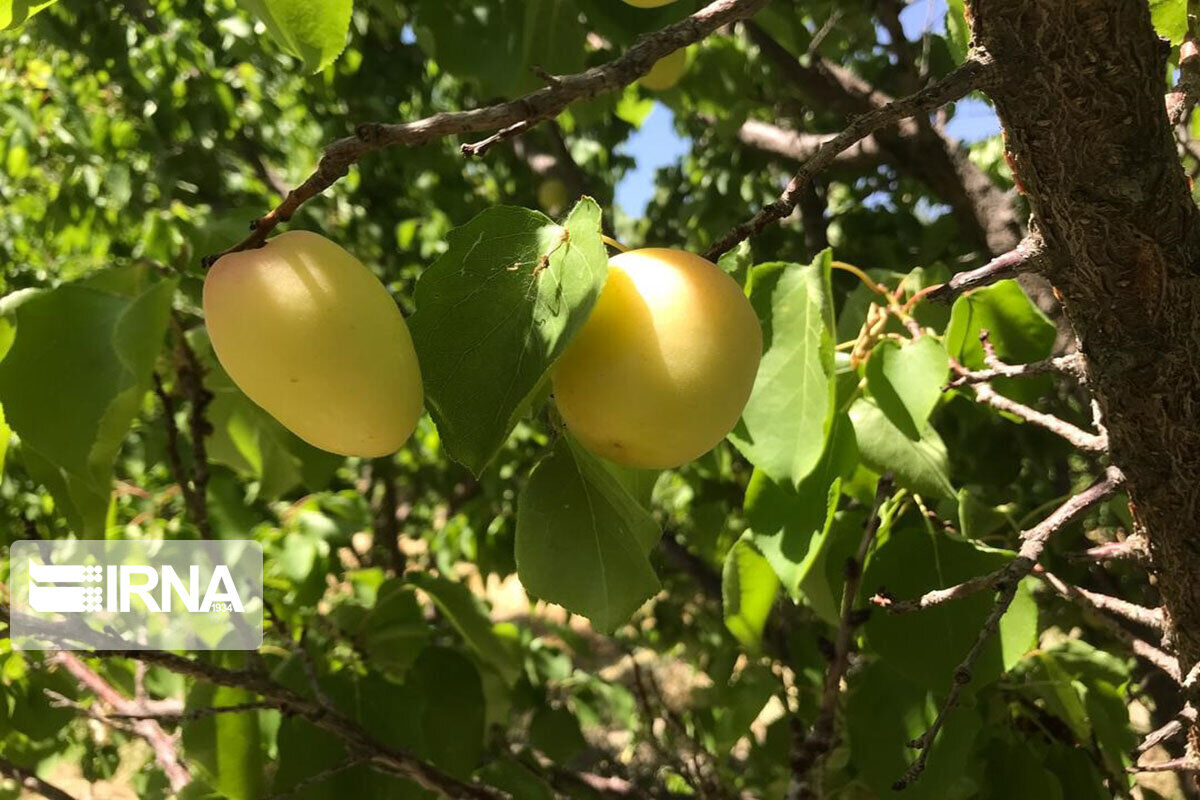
[[1079, 89]]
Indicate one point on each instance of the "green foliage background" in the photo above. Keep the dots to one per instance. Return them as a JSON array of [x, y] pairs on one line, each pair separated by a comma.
[[138, 137]]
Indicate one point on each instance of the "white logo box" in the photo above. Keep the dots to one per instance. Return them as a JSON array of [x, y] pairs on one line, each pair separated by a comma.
[[94, 594]]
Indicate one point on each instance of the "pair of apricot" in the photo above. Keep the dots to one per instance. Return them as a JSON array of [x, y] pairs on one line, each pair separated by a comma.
[[657, 375]]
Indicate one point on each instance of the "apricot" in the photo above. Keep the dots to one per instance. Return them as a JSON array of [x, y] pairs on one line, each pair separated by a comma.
[[666, 72], [649, 3], [662, 368], [309, 334]]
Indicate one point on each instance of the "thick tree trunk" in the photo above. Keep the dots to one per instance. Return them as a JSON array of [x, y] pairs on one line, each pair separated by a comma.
[[1079, 87]]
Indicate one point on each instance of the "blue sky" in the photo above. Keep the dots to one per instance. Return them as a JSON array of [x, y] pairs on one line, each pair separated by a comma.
[[657, 145]]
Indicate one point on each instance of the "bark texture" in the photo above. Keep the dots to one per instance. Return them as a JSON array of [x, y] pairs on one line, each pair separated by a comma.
[[1079, 88]]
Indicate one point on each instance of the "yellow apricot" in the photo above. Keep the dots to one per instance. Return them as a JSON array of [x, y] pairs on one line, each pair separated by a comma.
[[662, 368], [649, 3], [552, 195], [309, 334], [666, 72]]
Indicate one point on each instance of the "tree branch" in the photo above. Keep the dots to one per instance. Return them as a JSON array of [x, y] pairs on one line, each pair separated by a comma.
[[538, 105], [1027, 256], [29, 781], [966, 78], [1006, 583], [984, 212], [802, 146], [160, 741], [1072, 364], [1154, 738]]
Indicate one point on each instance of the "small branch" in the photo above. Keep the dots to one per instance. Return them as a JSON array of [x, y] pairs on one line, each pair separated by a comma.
[[191, 378], [1072, 364], [802, 146], [194, 503], [820, 738], [1134, 548], [1147, 617], [544, 103], [1182, 97], [1027, 256], [1033, 543], [181, 716], [29, 781], [160, 741], [966, 78], [1154, 738], [472, 150], [1145, 650], [1184, 764], [1081, 439], [938, 596]]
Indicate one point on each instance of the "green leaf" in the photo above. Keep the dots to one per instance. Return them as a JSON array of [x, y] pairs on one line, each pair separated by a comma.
[[926, 646], [921, 466], [452, 716], [582, 541], [1016, 328], [394, 631], [75, 377], [958, 32], [462, 609], [555, 732], [791, 408], [452, 33], [313, 30], [554, 38], [15, 12], [226, 747], [906, 381], [515, 778], [790, 526], [884, 711], [1170, 19], [495, 311], [748, 589]]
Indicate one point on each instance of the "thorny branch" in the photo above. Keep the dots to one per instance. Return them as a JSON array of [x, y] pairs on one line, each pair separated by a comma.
[[524, 111], [820, 738]]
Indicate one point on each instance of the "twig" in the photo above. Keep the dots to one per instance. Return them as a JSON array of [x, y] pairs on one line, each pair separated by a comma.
[[1148, 617], [541, 104], [182, 716], [29, 781], [1083, 440], [1027, 256], [1182, 97], [1184, 764], [1141, 648], [1072, 364], [162, 743], [191, 378], [356, 739], [1033, 543], [473, 149], [966, 78], [938, 596], [820, 738], [194, 503], [1175, 726], [1133, 548]]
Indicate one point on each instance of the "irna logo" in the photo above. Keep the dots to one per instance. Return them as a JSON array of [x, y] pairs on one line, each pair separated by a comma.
[[177, 595], [113, 588]]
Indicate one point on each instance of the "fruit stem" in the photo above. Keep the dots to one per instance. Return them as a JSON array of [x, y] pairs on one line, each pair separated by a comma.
[[613, 243]]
